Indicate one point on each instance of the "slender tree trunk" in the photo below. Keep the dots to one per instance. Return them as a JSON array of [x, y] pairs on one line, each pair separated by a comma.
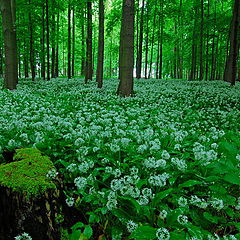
[[89, 62], [161, 41], [152, 44], [73, 41], [158, 47], [192, 75], [10, 43], [69, 41], [48, 40], [53, 40], [140, 45], [57, 48], [213, 70], [31, 44], [207, 44], [231, 63], [201, 40], [99, 76], [147, 41], [43, 68], [125, 87]]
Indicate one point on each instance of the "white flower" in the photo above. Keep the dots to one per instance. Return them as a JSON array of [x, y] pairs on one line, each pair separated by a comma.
[[163, 214], [165, 155], [52, 173], [70, 201], [131, 226], [182, 219], [162, 234], [182, 202], [24, 236], [217, 204], [143, 200], [80, 182], [111, 204]]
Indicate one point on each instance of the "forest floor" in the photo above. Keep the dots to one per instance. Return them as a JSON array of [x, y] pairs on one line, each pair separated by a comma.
[[164, 163]]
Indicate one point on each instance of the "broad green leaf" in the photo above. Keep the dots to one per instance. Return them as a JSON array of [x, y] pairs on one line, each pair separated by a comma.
[[88, 232], [144, 233], [190, 183]]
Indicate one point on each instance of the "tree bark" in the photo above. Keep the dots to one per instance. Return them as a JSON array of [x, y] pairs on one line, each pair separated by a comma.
[[125, 87], [89, 61], [69, 41], [140, 45], [73, 41], [99, 76], [231, 63], [43, 64], [201, 40], [10, 44], [31, 43], [48, 40]]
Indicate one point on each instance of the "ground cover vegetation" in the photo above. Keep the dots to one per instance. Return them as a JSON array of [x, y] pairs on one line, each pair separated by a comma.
[[157, 157], [161, 165]]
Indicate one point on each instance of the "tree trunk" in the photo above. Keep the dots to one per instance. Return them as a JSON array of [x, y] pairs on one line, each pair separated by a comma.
[[140, 45], [73, 42], [53, 40], [201, 40], [43, 68], [99, 76], [69, 41], [89, 63], [147, 40], [48, 40], [231, 63], [152, 44], [192, 74], [57, 48], [31, 43], [161, 42], [125, 87], [10, 44], [207, 44]]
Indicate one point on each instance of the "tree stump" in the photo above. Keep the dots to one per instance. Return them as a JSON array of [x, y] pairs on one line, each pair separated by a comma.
[[28, 197]]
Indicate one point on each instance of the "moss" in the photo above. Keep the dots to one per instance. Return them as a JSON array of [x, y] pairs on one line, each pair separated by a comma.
[[27, 174]]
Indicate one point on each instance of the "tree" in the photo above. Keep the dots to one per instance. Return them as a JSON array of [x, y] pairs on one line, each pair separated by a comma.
[[10, 43], [89, 62], [69, 41], [231, 62], [99, 76], [140, 47], [125, 87]]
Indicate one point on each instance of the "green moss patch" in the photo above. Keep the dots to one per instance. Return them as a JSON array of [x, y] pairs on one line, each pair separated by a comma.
[[28, 173]]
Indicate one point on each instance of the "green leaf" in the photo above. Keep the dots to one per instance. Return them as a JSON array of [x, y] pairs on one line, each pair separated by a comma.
[[161, 195], [210, 217], [190, 183], [232, 178], [144, 233], [88, 231]]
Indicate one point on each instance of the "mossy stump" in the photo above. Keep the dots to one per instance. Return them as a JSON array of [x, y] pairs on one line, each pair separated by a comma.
[[29, 200]]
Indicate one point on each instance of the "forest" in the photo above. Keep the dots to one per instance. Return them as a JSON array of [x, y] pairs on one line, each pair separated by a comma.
[[120, 119]]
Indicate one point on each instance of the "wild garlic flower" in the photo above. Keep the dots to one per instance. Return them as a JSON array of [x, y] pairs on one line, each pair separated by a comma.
[[80, 182], [217, 204], [131, 226], [163, 214], [182, 219], [182, 202], [70, 201], [24, 236], [52, 173], [162, 234]]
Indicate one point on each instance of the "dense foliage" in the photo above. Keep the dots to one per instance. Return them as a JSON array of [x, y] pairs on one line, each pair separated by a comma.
[[163, 164]]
